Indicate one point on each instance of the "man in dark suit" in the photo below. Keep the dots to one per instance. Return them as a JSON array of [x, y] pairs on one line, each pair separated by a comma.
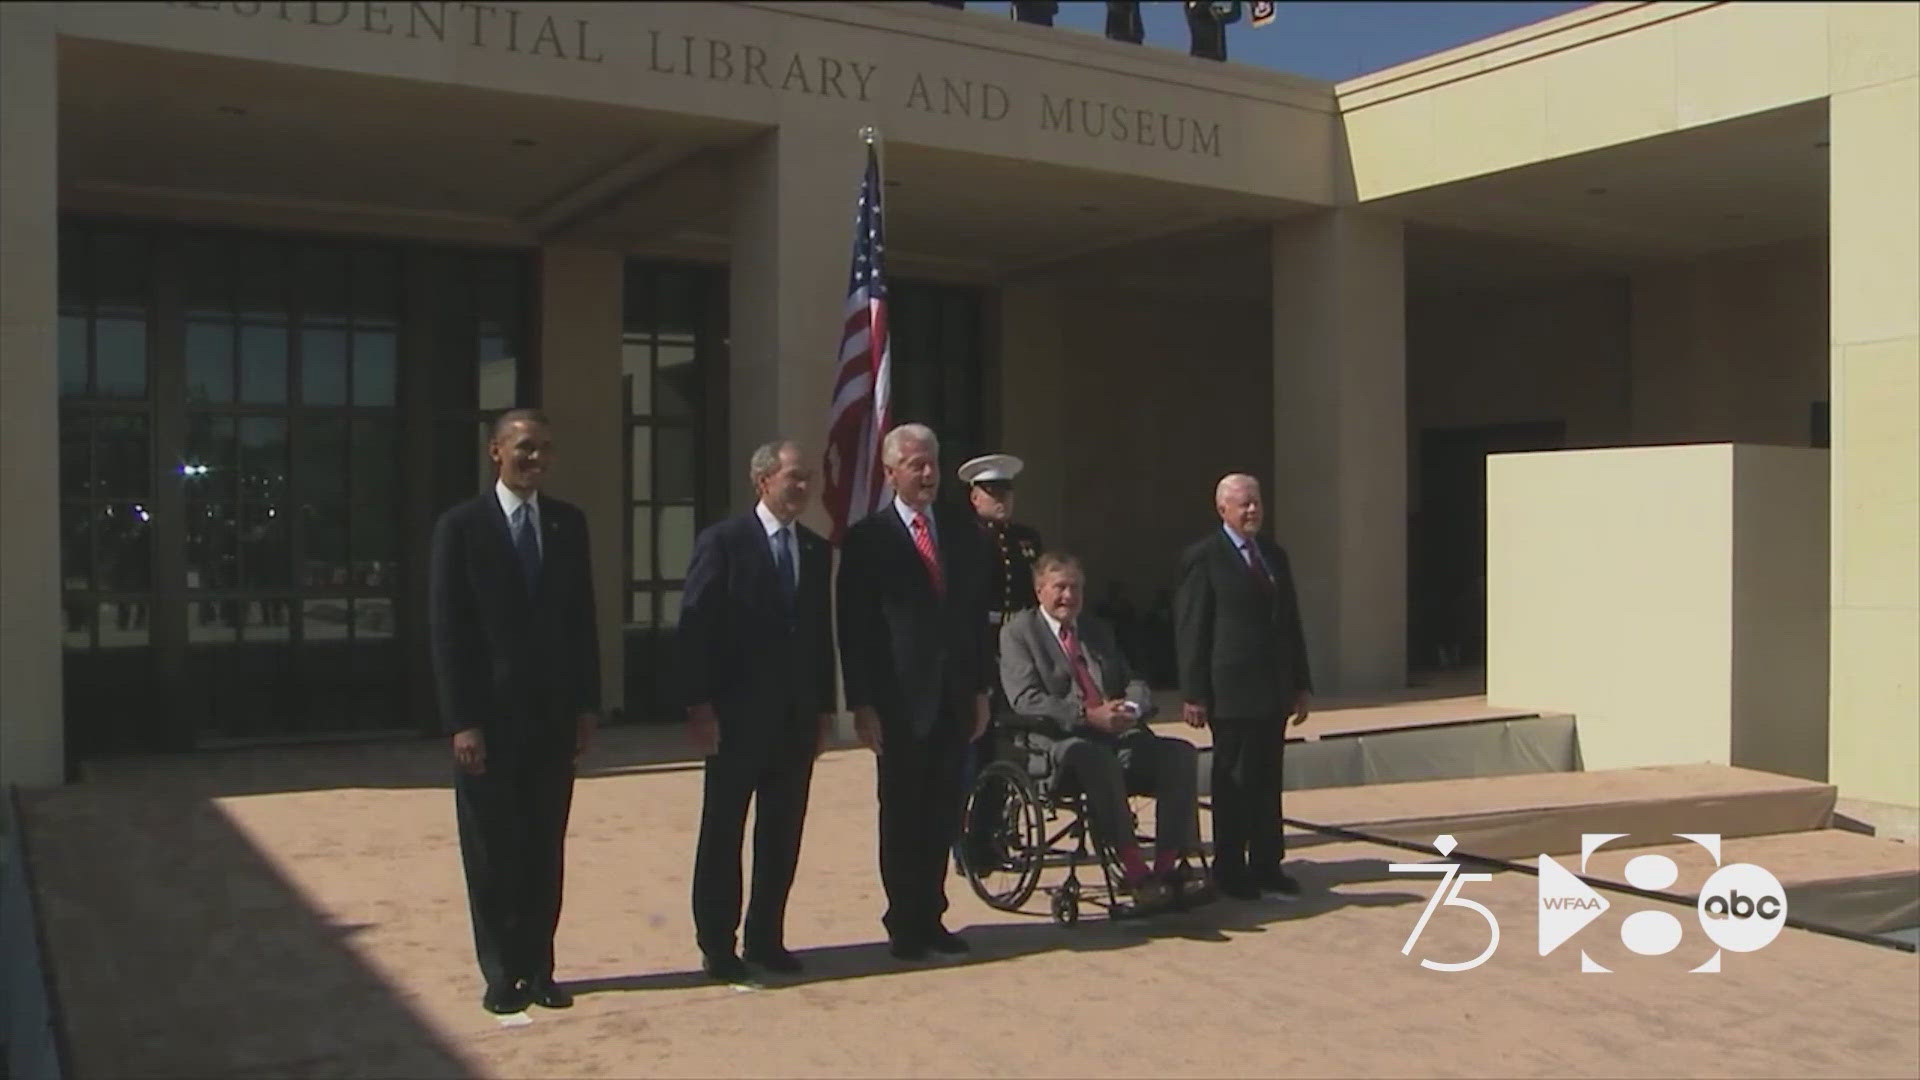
[[914, 652], [1064, 673], [1243, 671], [756, 656], [516, 662]]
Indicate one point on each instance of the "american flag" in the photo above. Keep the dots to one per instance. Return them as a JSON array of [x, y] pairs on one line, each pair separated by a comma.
[[862, 387]]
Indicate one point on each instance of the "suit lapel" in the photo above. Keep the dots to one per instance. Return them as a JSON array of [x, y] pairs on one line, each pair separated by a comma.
[[753, 535]]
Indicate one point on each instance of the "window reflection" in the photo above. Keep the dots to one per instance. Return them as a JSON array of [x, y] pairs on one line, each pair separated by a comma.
[[211, 557], [125, 535], [76, 456], [374, 369], [76, 546], [266, 619], [209, 354], [640, 544], [499, 372], [263, 364], [323, 366], [73, 355], [676, 540], [328, 619], [324, 529], [123, 463], [120, 358], [122, 623], [639, 608], [676, 389], [675, 472]]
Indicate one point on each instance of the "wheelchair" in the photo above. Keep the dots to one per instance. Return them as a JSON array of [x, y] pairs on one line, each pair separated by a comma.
[[1023, 819]]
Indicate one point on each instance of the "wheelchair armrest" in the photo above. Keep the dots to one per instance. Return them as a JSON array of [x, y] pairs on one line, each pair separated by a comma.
[[1013, 721]]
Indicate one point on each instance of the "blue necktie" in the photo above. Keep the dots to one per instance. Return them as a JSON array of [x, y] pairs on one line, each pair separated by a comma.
[[783, 562], [526, 544]]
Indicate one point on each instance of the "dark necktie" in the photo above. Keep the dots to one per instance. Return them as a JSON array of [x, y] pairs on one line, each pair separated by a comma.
[[1070, 644], [783, 562], [1257, 564], [526, 544]]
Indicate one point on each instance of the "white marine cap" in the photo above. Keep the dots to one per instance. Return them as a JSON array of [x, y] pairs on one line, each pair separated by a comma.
[[990, 467]]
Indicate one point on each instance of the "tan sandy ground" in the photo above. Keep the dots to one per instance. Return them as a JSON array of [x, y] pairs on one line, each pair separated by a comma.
[[301, 912]]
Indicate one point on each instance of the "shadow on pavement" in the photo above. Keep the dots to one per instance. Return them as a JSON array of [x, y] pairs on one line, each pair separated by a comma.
[[1215, 922]]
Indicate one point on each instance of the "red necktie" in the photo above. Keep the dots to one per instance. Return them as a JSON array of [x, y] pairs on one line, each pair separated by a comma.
[[923, 540], [1069, 644]]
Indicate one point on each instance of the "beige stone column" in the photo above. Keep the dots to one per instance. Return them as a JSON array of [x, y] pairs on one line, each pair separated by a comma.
[[794, 201], [1337, 499], [32, 725], [1874, 238], [580, 326], [1034, 378]]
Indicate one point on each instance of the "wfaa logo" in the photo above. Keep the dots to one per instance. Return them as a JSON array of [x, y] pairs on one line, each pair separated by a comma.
[[1741, 907]]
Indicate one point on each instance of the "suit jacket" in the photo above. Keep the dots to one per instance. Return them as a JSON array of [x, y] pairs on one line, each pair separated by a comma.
[[742, 648], [905, 649], [1038, 677], [1242, 652], [520, 664]]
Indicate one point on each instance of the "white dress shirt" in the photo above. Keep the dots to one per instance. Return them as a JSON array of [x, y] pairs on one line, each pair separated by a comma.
[[510, 504], [1240, 544], [907, 513], [773, 526], [1080, 645]]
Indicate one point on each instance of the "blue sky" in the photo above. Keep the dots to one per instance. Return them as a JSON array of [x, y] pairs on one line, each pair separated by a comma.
[[1324, 40]]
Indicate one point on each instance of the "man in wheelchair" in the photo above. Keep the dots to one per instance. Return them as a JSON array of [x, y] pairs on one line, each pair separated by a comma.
[[1066, 679]]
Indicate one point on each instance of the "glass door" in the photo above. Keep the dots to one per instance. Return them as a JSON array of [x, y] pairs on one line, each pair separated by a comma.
[[289, 486]]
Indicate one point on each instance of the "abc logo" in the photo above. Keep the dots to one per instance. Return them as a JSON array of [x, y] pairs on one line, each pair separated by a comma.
[[1742, 907]]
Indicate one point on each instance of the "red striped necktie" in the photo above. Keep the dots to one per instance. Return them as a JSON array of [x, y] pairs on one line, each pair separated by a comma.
[[1070, 644], [923, 540]]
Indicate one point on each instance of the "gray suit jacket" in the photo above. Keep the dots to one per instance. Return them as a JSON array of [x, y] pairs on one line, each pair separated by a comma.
[[1039, 681]]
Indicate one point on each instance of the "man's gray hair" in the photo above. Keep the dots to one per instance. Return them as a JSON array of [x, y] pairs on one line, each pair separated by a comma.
[[1234, 480], [892, 448], [766, 458]]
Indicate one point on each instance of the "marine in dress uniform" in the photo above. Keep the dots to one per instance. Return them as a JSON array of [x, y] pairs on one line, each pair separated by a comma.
[[1012, 549]]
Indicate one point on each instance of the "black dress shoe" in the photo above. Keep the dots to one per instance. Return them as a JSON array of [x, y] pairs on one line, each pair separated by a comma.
[[725, 967], [907, 949], [1235, 888], [505, 1000], [1278, 883], [548, 995], [777, 960], [947, 943]]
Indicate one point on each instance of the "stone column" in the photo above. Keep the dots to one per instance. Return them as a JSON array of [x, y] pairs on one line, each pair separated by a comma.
[[795, 195], [1337, 499], [1033, 381], [794, 201], [32, 724], [1874, 366], [580, 327]]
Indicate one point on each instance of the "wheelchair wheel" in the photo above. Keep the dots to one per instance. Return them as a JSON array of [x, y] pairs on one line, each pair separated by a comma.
[[1003, 837]]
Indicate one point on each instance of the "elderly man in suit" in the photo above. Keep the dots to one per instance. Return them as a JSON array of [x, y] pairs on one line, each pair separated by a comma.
[[1063, 670], [516, 662], [1243, 671], [756, 657], [915, 655]]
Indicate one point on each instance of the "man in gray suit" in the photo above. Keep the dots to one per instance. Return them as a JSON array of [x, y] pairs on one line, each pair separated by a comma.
[[1062, 669]]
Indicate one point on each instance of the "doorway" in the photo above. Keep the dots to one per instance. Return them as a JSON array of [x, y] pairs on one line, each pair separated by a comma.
[[248, 469], [1447, 539]]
